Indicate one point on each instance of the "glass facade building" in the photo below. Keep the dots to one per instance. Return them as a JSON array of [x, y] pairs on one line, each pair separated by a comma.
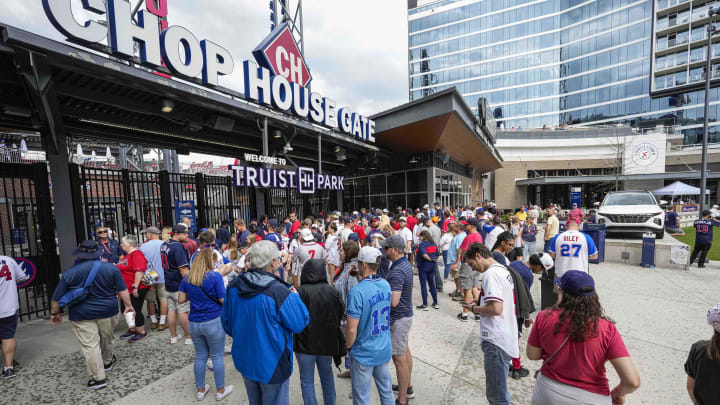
[[562, 62]]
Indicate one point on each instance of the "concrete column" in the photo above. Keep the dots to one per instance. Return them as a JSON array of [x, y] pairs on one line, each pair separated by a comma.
[[62, 197]]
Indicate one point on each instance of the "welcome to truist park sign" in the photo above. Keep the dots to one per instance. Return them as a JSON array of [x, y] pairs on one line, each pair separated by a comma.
[[303, 179], [280, 81]]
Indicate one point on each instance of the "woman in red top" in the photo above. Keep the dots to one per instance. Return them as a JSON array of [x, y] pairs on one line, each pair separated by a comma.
[[132, 268], [576, 339]]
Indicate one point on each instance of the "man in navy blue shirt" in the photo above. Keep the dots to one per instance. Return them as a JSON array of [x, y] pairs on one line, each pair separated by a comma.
[[703, 237], [93, 319], [400, 278], [176, 263], [672, 222], [109, 247]]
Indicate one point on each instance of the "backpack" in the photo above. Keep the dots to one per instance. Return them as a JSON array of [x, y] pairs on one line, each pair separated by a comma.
[[78, 295]]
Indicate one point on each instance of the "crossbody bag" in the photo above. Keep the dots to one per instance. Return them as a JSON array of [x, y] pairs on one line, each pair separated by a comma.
[[552, 355], [215, 300]]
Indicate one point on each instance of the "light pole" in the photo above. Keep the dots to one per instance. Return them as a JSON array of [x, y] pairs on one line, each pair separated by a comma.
[[708, 74]]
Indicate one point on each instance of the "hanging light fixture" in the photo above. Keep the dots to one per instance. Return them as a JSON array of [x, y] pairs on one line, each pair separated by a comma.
[[167, 106], [79, 151], [23, 146], [413, 160], [277, 134]]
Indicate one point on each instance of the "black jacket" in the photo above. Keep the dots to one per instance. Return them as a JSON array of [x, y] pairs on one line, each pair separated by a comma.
[[524, 304], [322, 335]]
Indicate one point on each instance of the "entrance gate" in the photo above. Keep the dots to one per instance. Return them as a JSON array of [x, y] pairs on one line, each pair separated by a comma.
[[128, 202], [27, 230]]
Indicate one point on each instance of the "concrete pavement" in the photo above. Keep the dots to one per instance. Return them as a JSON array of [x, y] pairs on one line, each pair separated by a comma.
[[659, 313]]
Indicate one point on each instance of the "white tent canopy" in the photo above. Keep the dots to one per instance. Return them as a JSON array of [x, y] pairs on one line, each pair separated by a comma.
[[679, 188]]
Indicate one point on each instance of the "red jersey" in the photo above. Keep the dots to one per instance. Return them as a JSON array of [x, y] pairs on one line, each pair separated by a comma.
[[360, 231], [411, 222], [580, 364], [294, 228], [133, 263], [469, 239]]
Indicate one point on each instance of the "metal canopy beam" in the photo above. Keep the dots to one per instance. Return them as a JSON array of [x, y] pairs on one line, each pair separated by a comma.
[[40, 88]]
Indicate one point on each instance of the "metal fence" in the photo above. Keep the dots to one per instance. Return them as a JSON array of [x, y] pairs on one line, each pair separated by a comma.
[[27, 233], [284, 201], [127, 202]]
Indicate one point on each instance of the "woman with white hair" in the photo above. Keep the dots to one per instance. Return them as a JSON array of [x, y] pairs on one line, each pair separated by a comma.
[[132, 267]]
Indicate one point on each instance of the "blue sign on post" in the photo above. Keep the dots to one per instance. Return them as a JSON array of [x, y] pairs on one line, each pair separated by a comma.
[[186, 209], [18, 236], [576, 196]]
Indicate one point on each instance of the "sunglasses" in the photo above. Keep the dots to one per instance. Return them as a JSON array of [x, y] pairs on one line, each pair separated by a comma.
[[102, 232]]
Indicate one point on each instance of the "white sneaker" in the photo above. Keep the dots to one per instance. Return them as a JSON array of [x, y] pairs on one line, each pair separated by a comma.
[[209, 364], [201, 395], [188, 341], [228, 349], [228, 390], [174, 340]]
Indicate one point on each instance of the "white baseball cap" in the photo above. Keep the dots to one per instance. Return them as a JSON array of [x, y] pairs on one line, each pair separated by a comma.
[[369, 254], [306, 235], [546, 260]]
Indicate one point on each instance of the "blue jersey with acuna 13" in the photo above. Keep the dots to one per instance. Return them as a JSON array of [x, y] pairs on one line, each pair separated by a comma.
[[369, 302], [704, 230]]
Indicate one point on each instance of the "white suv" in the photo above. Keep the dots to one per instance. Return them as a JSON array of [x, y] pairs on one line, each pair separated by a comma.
[[632, 212]]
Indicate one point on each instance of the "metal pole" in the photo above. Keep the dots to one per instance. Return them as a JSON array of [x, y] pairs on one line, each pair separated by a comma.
[[708, 75], [319, 154], [265, 146]]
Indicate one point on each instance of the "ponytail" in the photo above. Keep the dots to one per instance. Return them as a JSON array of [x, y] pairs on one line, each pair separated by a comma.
[[204, 260], [713, 348]]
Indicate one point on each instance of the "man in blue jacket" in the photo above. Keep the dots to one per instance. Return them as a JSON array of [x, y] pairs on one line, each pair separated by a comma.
[[261, 313]]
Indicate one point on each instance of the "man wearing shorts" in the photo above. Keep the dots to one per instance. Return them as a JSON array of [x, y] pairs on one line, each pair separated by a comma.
[[400, 278], [469, 280], [453, 261], [151, 250], [176, 263], [10, 275]]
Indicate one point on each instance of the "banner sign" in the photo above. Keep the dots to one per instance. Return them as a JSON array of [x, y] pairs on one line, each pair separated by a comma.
[[209, 169], [280, 81], [186, 209], [576, 196], [304, 179]]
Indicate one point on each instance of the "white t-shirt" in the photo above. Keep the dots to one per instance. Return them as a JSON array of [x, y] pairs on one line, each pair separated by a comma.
[[500, 330], [572, 249], [10, 275], [517, 230], [220, 260], [416, 233], [345, 234], [406, 234], [492, 236], [445, 241]]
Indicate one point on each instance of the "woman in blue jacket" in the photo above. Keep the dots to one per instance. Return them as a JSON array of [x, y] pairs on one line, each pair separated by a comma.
[[427, 253]]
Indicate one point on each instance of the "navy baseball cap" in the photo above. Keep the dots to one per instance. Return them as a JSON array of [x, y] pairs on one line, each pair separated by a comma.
[[347, 220], [471, 221], [273, 223], [577, 283], [355, 237], [480, 211]]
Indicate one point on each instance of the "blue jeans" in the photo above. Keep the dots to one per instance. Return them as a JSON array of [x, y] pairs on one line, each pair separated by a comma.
[[427, 277], [529, 249], [446, 267], [546, 248], [496, 372], [307, 363], [209, 339], [267, 394], [360, 377]]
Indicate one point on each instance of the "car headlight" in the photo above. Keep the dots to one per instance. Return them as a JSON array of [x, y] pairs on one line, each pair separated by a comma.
[[601, 220], [657, 221]]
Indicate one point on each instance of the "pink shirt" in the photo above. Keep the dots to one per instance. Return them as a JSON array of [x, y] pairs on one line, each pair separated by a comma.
[[469, 239]]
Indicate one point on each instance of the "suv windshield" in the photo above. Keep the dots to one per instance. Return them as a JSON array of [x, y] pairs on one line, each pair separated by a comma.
[[629, 199]]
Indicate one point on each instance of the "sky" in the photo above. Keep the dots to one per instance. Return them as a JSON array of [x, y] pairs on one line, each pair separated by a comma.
[[356, 50]]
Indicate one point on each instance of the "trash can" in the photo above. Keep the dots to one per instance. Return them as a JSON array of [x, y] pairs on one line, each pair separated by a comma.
[[597, 233], [648, 250], [548, 297]]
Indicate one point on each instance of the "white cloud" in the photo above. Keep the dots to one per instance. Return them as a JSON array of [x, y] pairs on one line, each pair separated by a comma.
[[357, 51]]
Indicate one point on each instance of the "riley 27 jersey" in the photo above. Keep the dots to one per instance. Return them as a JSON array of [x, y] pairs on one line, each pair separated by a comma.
[[572, 249], [304, 253]]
